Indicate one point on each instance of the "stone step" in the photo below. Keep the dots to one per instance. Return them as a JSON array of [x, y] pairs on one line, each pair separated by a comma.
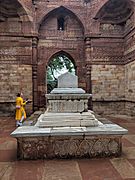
[[49, 119], [64, 123], [66, 118]]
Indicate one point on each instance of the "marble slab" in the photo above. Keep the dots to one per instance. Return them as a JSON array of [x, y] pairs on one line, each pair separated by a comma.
[[104, 129], [67, 91]]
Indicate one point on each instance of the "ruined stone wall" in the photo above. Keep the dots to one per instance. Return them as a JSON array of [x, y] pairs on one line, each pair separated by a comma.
[[129, 54], [130, 82], [115, 94], [130, 88], [107, 51], [105, 46], [12, 25], [108, 73], [15, 71], [14, 78], [15, 50], [108, 88]]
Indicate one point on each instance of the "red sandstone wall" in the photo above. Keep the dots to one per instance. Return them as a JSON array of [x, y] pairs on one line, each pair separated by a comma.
[[15, 71], [111, 48]]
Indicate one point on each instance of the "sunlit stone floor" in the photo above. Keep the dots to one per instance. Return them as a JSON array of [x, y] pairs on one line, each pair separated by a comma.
[[82, 169]]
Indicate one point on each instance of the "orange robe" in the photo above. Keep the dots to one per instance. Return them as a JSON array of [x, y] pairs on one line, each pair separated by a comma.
[[20, 111]]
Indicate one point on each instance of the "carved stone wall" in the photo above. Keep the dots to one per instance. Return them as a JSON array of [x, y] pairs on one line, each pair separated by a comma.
[[68, 147], [107, 51]]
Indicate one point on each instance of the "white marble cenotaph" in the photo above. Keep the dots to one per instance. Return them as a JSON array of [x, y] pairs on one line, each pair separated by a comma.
[[68, 129]]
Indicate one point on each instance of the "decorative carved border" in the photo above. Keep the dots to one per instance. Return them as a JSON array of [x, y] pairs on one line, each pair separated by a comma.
[[69, 147]]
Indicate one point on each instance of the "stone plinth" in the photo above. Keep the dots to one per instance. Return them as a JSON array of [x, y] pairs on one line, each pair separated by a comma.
[[67, 98], [49, 119], [67, 102], [69, 142]]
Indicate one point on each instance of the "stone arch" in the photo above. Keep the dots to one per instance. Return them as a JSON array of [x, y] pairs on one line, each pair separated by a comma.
[[53, 41], [53, 84], [64, 53], [114, 11], [45, 16]]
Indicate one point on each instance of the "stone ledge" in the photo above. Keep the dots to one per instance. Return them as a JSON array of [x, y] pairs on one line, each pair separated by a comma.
[[67, 91], [104, 129], [67, 96]]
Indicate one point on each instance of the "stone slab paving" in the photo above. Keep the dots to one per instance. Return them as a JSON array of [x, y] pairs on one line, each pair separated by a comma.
[[63, 169], [77, 169], [129, 152], [124, 167]]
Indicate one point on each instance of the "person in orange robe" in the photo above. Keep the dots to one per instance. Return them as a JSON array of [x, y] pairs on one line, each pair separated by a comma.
[[20, 110]]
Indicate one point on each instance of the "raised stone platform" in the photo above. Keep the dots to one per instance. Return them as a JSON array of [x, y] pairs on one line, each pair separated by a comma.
[[69, 142], [49, 119], [68, 129]]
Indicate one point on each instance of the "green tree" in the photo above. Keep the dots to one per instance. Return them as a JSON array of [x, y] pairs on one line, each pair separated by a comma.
[[56, 67], [57, 64]]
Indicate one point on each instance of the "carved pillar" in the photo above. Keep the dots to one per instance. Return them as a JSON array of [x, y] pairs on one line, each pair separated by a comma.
[[34, 73], [88, 65]]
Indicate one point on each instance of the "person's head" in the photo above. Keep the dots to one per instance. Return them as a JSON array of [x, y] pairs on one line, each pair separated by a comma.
[[18, 94]]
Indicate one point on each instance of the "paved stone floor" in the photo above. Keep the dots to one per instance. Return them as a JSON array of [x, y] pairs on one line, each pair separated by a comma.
[[82, 169]]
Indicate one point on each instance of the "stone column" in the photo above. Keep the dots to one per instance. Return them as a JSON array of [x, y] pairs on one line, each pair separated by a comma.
[[88, 65], [34, 73]]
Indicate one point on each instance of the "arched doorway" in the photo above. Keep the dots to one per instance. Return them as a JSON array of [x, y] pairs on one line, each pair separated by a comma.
[[60, 33], [58, 64]]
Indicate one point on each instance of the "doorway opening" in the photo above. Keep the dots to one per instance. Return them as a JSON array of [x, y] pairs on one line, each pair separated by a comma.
[[59, 64]]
